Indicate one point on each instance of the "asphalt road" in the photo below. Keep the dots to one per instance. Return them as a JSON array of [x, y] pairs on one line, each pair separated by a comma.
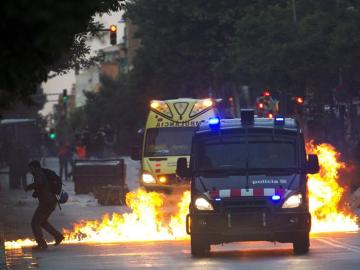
[[331, 251]]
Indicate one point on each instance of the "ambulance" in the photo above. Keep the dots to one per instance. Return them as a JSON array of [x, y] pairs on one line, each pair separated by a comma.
[[167, 136]]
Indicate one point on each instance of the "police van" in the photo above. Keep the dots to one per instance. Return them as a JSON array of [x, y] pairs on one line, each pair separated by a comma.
[[248, 183], [166, 137]]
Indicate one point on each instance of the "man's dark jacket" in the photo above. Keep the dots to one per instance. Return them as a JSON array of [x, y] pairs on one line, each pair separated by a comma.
[[42, 188]]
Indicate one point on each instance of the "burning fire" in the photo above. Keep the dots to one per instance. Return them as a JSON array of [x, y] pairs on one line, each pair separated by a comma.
[[149, 221], [146, 222], [325, 193]]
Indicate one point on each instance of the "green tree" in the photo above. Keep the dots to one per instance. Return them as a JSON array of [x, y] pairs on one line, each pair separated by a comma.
[[26, 110], [182, 42], [271, 48], [189, 46], [116, 105], [39, 37]]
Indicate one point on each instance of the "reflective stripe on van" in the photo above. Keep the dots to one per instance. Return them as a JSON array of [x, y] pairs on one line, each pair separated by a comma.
[[250, 192]]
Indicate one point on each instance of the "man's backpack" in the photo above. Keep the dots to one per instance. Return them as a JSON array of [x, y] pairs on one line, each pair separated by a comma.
[[54, 181]]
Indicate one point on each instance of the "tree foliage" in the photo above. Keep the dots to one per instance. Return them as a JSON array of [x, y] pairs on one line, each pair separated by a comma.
[[23, 110], [182, 41], [116, 105], [192, 45], [310, 53], [39, 37]]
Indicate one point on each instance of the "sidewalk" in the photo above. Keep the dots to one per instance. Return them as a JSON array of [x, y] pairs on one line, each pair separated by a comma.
[[2, 233], [2, 249]]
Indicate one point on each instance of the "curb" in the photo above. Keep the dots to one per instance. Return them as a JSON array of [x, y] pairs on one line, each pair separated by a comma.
[[2, 248], [2, 256]]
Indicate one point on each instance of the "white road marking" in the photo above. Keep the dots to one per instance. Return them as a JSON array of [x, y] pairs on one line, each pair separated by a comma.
[[338, 244]]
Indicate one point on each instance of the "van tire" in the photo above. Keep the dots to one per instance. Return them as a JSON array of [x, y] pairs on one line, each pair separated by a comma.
[[199, 247], [301, 245]]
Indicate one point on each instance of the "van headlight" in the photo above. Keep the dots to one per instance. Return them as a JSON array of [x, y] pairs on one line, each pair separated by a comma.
[[148, 178], [293, 201], [203, 205]]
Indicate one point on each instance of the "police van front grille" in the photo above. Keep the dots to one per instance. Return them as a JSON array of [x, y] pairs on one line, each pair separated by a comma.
[[244, 203], [247, 219], [244, 210]]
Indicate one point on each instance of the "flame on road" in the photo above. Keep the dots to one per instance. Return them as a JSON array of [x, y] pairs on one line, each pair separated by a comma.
[[148, 219], [146, 222], [325, 194]]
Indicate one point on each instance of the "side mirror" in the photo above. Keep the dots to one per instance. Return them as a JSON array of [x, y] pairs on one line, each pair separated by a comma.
[[312, 164], [182, 169], [135, 153]]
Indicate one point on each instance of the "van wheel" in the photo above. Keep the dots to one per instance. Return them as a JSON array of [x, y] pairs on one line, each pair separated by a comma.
[[301, 245], [199, 247]]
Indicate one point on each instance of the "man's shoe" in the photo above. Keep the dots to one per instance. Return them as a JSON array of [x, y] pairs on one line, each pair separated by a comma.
[[39, 248], [58, 240]]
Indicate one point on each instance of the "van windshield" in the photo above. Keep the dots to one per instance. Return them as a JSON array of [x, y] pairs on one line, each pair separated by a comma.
[[246, 156], [168, 141]]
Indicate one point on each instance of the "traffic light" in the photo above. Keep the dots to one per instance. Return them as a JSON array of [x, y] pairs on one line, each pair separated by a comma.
[[299, 100], [298, 105], [52, 134], [65, 96], [261, 105], [113, 32], [266, 93]]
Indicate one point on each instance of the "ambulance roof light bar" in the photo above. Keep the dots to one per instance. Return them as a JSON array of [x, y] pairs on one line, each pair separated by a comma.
[[247, 117], [154, 104]]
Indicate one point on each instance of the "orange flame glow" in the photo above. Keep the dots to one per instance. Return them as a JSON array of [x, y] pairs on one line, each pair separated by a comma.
[[149, 219], [325, 193], [146, 222]]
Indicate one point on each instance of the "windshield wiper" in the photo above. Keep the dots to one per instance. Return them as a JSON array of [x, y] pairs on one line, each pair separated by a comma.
[[203, 185], [247, 173]]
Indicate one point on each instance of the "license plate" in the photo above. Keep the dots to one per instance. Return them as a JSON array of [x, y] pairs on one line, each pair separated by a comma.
[[246, 220]]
